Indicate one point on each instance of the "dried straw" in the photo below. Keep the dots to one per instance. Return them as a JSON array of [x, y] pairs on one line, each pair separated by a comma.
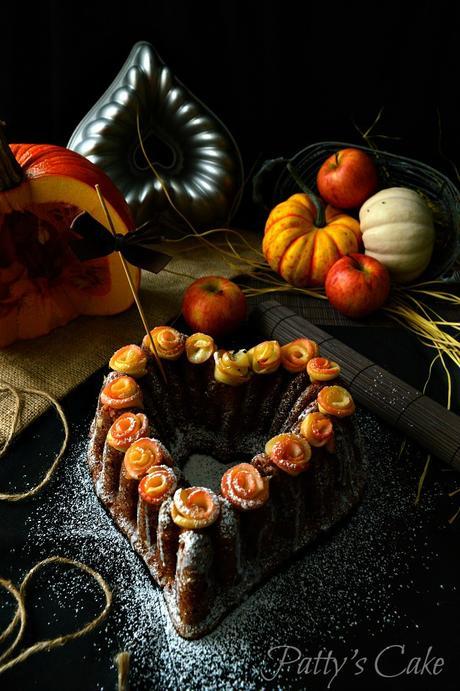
[[122, 661]]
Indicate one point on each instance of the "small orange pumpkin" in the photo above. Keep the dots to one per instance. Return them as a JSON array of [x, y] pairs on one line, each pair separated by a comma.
[[303, 239]]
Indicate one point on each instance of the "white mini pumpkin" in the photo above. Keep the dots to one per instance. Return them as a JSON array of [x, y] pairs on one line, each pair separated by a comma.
[[397, 227]]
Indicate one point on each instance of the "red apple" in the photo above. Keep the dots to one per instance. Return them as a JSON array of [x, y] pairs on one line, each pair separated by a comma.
[[214, 305], [347, 178], [357, 285]]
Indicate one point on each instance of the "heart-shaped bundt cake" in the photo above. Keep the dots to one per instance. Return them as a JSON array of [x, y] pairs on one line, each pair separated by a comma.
[[284, 432]]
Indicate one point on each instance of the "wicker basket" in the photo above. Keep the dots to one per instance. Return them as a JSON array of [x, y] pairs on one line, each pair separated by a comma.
[[273, 183]]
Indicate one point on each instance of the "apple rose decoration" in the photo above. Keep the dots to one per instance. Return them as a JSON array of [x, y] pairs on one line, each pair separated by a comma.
[[290, 452], [143, 455], [130, 359], [265, 357], [244, 487], [126, 430], [335, 400], [296, 354], [169, 343], [322, 369], [122, 392], [317, 429], [199, 348], [194, 508], [232, 368], [159, 484]]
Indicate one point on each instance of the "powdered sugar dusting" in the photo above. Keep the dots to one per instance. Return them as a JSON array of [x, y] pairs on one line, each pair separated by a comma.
[[346, 584]]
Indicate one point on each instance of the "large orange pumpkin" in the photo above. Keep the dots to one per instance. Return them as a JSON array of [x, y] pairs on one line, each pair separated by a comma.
[[302, 240], [42, 283]]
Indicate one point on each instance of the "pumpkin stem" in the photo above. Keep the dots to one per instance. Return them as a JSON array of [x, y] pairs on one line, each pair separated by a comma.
[[10, 170], [320, 219]]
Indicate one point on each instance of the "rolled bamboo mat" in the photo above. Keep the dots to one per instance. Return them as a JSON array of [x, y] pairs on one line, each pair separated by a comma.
[[427, 422]]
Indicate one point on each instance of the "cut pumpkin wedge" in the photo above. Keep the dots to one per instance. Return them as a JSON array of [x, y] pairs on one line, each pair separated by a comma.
[[42, 283]]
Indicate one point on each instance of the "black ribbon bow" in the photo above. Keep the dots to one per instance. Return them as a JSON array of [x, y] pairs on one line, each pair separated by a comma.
[[91, 240]]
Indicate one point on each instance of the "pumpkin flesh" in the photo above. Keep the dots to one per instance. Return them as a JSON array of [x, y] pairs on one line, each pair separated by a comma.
[[42, 284]]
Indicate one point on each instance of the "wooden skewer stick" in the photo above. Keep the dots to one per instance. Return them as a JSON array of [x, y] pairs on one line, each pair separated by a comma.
[[131, 285]]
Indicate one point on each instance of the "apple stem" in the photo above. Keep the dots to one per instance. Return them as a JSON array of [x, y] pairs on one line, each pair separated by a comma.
[[336, 158], [10, 170], [320, 219]]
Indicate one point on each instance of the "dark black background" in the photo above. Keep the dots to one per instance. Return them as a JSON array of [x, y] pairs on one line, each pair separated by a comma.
[[281, 75]]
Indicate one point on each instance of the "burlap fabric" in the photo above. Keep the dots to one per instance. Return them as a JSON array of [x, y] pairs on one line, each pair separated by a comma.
[[59, 361]]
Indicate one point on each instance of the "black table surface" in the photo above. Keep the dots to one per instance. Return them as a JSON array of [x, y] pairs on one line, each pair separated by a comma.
[[353, 612]]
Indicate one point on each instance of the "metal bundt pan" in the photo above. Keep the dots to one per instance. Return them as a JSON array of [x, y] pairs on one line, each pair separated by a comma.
[[192, 150]]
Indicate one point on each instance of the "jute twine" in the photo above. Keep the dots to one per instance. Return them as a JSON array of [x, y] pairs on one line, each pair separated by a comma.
[[20, 617], [17, 402], [19, 594]]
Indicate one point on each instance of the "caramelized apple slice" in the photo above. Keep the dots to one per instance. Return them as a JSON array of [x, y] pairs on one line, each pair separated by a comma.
[[290, 452], [159, 484], [335, 400], [232, 368], [169, 343], [143, 455], [244, 487], [322, 369], [122, 392], [317, 429], [296, 354], [194, 508], [265, 357], [130, 359], [199, 348], [126, 430]]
